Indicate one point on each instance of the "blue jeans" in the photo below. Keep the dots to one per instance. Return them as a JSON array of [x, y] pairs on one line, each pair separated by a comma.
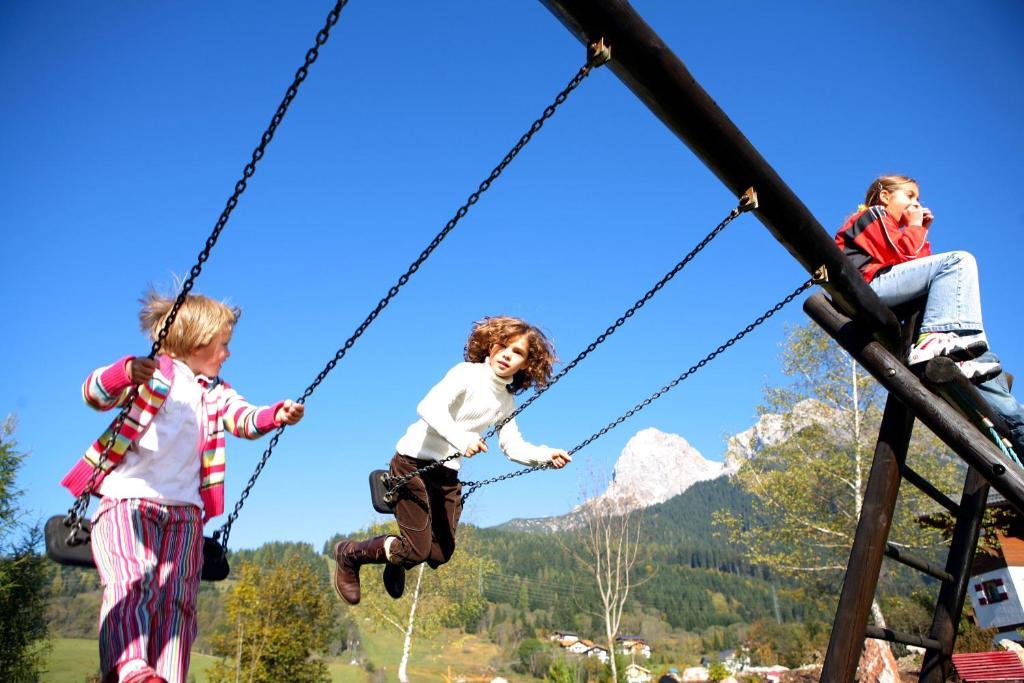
[[951, 282], [998, 395]]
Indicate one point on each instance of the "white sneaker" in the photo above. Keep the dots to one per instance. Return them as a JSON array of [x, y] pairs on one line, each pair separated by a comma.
[[979, 371], [956, 346]]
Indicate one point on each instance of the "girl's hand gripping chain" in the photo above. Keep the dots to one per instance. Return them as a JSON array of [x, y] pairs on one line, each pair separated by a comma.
[[290, 413], [478, 446], [141, 370], [560, 459]]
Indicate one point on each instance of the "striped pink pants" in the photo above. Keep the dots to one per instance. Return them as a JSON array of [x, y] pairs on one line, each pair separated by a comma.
[[150, 557]]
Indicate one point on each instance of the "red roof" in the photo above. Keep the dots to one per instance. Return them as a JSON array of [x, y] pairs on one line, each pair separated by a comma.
[[989, 666]]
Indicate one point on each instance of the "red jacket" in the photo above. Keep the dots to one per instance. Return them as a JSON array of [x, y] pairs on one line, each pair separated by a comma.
[[873, 240]]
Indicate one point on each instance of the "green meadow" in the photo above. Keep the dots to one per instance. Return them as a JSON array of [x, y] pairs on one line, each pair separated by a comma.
[[71, 660]]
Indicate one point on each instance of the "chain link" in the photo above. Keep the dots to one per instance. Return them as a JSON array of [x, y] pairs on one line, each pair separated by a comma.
[[746, 203], [77, 511], [595, 58], [474, 485]]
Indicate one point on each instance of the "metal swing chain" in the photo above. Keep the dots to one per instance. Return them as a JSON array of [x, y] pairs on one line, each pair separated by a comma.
[[473, 486], [77, 511], [597, 54], [747, 202]]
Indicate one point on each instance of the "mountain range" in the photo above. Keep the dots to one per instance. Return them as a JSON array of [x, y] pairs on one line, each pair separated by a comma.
[[656, 466]]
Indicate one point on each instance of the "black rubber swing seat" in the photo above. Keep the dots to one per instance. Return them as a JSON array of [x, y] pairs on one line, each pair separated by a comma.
[[383, 501], [74, 550]]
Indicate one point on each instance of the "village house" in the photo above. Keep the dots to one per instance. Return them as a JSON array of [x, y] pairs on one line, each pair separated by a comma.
[[628, 645], [637, 674], [634, 645], [997, 579], [579, 646]]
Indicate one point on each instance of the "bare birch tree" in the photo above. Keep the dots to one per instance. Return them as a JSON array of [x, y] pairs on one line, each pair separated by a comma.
[[449, 596], [607, 533], [387, 616]]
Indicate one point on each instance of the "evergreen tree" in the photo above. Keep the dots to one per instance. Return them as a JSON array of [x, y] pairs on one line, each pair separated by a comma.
[[23, 579]]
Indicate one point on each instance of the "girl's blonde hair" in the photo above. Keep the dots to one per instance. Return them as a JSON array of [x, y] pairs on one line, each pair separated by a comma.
[[885, 182], [501, 331], [198, 321]]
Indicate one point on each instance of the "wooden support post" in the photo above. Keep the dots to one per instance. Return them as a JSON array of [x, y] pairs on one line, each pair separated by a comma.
[[847, 639], [936, 667]]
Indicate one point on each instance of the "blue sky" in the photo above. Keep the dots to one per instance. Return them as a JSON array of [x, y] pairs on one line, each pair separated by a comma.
[[125, 126]]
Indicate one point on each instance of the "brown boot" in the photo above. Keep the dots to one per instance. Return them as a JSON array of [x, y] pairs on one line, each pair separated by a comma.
[[348, 557], [394, 580]]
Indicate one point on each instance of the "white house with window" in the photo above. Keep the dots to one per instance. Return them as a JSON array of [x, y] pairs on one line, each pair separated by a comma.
[[637, 674], [997, 580], [599, 652], [996, 597], [634, 645]]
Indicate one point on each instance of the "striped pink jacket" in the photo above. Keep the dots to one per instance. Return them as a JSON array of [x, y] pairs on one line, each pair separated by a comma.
[[109, 387]]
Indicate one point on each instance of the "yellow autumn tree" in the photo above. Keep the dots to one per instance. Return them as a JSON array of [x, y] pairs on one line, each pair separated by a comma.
[[278, 622]]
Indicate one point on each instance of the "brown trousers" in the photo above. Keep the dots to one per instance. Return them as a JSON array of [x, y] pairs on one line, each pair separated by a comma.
[[427, 513]]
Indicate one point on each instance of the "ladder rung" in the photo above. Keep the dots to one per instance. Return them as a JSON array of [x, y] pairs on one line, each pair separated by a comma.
[[925, 487], [929, 568], [905, 638]]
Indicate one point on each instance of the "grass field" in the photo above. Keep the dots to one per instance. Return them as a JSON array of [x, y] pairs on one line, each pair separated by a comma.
[[72, 659], [452, 654]]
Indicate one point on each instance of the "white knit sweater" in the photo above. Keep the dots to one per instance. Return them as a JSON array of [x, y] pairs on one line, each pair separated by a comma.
[[457, 411]]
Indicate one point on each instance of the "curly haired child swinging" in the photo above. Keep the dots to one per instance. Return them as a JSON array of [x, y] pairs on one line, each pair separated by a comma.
[[503, 356]]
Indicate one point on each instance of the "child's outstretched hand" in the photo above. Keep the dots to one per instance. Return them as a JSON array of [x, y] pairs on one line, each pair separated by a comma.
[[478, 446], [290, 413], [560, 459], [141, 370]]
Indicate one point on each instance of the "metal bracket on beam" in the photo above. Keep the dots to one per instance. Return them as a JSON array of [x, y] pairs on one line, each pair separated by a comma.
[[598, 53], [748, 200]]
